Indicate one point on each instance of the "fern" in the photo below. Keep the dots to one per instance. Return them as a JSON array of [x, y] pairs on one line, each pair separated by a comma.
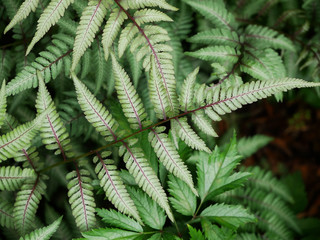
[[11, 178], [3, 103]]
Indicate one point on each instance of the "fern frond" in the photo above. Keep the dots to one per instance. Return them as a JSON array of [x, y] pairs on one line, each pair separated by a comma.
[[19, 138], [203, 123], [145, 177], [49, 62], [170, 158], [112, 28], [129, 99], [136, 4], [90, 22], [3, 103], [150, 15], [264, 37], [263, 65], [221, 101], [214, 11], [44, 233], [94, 111], [113, 185], [27, 202], [220, 54], [6, 214], [11, 177], [250, 145], [217, 36], [53, 133], [50, 16], [26, 7], [187, 91], [81, 198], [126, 36], [188, 135]]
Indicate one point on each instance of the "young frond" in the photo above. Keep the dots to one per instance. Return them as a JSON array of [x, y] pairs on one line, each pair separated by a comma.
[[11, 177], [145, 177], [130, 101], [90, 21], [113, 185], [81, 198], [44, 233], [187, 91], [49, 62], [19, 138], [112, 28], [94, 111], [6, 214], [188, 135], [26, 7], [264, 37], [169, 157], [217, 36], [220, 54], [215, 12], [3, 103], [53, 133], [27, 202], [50, 16]]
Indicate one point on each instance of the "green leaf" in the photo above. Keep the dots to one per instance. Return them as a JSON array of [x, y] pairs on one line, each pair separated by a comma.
[[250, 145], [116, 219], [150, 212], [214, 172], [6, 214], [110, 233], [195, 234], [11, 177], [183, 199], [44, 233], [217, 36], [228, 215], [187, 91], [3, 103], [213, 232]]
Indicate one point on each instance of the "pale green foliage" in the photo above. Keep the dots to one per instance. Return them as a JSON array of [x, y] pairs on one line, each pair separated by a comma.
[[53, 134], [217, 36], [113, 185], [19, 138], [3, 103], [116, 219], [48, 18], [11, 177], [90, 22], [183, 200], [26, 7], [95, 112], [6, 216], [169, 157], [186, 96], [228, 215], [129, 99], [249, 145], [136, 4], [44, 233], [110, 233], [27, 202], [81, 198]]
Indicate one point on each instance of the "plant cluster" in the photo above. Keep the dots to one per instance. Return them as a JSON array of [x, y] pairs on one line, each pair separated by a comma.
[[103, 101]]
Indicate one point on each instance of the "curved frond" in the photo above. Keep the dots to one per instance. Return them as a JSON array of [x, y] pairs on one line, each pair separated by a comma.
[[50, 16], [170, 158], [27, 202], [150, 15], [44, 233], [129, 99], [203, 123], [26, 7], [11, 177], [81, 198], [214, 11], [19, 138], [136, 4], [188, 135], [90, 21], [113, 185], [112, 29], [94, 111], [187, 91], [53, 133], [145, 177], [3, 103]]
